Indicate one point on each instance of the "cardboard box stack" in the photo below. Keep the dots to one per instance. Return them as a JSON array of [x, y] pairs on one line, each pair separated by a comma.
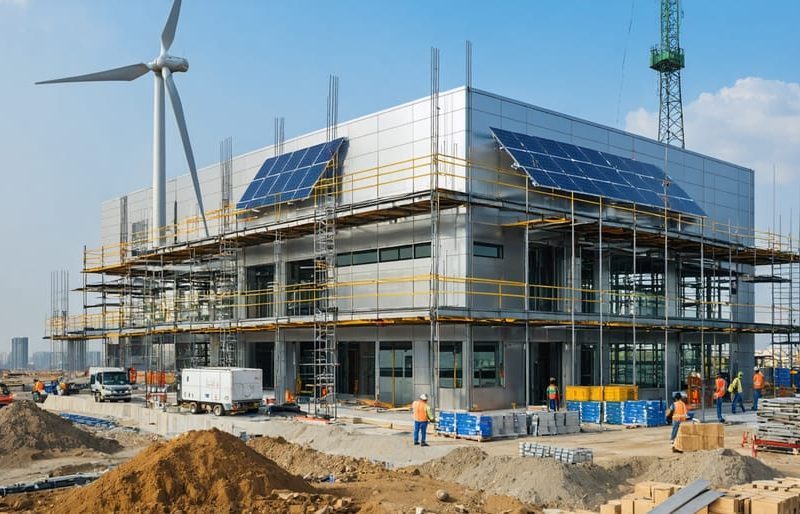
[[693, 437]]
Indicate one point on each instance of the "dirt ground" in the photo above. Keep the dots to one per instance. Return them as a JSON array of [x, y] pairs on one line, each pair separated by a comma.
[[478, 477]]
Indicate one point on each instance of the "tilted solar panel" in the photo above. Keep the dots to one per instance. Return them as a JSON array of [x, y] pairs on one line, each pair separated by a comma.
[[290, 176], [558, 165]]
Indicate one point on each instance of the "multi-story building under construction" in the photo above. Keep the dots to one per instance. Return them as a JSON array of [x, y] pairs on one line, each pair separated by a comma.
[[470, 255]]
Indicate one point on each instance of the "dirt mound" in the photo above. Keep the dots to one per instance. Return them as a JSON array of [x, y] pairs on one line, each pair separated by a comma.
[[723, 468], [29, 433], [544, 482], [198, 471], [303, 461]]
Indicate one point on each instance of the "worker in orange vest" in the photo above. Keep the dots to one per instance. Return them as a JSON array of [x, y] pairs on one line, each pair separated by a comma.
[[552, 395], [422, 415], [719, 396], [680, 413], [758, 385]]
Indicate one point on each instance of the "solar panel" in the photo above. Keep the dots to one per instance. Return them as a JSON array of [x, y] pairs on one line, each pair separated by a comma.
[[289, 176], [558, 165]]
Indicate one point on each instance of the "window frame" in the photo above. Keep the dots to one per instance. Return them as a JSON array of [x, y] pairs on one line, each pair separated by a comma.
[[498, 252], [480, 382]]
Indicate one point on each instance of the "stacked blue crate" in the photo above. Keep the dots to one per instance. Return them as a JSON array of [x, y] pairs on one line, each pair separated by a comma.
[[574, 406], [473, 425], [649, 413], [591, 412], [782, 377], [612, 413], [446, 423]]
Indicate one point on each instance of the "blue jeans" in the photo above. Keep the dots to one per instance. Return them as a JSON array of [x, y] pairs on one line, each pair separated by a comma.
[[737, 397], [552, 405], [756, 397], [675, 426], [420, 427], [719, 410]]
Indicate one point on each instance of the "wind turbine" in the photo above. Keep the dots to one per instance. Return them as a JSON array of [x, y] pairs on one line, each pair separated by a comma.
[[162, 67]]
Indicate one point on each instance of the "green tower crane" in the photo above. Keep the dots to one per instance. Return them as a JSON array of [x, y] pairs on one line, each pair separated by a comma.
[[668, 60]]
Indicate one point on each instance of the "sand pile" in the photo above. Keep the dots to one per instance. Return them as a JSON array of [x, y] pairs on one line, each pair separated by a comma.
[[198, 471], [29, 433], [723, 468], [305, 461]]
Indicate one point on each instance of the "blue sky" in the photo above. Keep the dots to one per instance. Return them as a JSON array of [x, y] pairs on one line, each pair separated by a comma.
[[67, 148]]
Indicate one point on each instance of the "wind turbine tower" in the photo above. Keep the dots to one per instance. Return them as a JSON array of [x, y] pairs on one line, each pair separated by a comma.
[[668, 60]]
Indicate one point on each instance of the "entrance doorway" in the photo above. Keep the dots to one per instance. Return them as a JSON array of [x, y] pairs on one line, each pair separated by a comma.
[[264, 358], [546, 363], [356, 373], [587, 365], [396, 373]]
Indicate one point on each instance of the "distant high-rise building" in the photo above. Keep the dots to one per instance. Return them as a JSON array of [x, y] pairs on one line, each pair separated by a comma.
[[41, 361], [19, 353]]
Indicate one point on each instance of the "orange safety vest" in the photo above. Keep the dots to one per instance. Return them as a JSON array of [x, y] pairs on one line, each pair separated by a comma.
[[720, 392], [758, 381], [420, 409], [552, 392], [680, 413]]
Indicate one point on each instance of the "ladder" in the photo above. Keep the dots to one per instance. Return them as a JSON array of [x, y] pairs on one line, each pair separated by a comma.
[[225, 309], [324, 355]]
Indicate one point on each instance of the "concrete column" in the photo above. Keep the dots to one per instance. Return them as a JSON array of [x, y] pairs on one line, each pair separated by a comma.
[[279, 364], [213, 350]]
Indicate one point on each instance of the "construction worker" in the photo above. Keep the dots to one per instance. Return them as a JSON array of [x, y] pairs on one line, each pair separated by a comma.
[[680, 413], [719, 396], [552, 395], [758, 385], [422, 415], [736, 390]]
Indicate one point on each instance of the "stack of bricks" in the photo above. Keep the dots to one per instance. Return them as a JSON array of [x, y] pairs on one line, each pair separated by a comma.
[[779, 496], [694, 437], [565, 455]]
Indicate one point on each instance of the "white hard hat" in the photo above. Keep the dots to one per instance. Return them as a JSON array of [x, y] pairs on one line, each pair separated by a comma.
[[755, 368], [423, 397]]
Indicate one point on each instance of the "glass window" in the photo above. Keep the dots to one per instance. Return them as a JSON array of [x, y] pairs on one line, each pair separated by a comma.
[[422, 250], [365, 257], [487, 250], [450, 365], [344, 259], [487, 365], [405, 252], [389, 254]]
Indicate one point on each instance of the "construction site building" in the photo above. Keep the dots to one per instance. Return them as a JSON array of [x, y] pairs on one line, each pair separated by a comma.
[[425, 259]]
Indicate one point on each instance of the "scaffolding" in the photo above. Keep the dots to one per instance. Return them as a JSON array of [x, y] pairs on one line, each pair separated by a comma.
[[184, 305]]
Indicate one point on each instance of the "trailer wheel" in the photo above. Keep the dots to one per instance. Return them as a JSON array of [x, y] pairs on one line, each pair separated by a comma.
[[218, 410], [193, 408]]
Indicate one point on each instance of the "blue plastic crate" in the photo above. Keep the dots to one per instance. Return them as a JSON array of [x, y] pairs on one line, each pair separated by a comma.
[[649, 413], [591, 412], [574, 405], [783, 377], [473, 425], [612, 413], [447, 422]]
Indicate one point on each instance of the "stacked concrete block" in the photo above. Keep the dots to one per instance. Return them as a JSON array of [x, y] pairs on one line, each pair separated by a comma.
[[565, 455]]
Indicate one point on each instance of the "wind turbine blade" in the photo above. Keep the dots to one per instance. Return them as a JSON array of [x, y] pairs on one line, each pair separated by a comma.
[[134, 71], [168, 35], [177, 108]]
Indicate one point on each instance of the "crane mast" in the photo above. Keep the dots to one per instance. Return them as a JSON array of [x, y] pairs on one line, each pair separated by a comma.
[[668, 60]]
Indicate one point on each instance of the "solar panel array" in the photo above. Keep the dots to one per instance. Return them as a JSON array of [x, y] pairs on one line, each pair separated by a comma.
[[567, 167], [289, 177]]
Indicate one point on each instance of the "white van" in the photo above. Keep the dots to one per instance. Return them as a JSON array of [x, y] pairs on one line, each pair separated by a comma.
[[109, 384]]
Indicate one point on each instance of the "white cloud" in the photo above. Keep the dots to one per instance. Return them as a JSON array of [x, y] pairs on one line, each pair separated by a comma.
[[14, 2], [754, 123]]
